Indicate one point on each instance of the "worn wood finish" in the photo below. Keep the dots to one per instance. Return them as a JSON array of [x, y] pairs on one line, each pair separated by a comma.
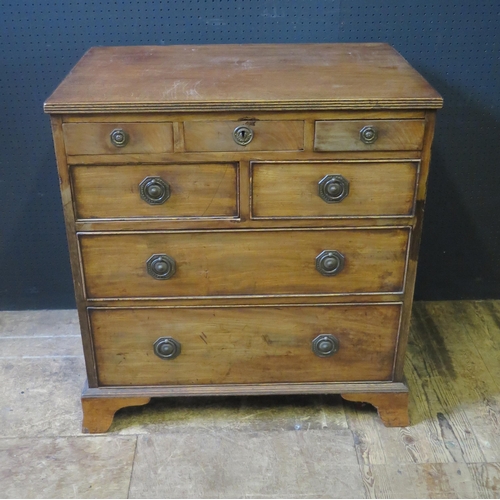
[[392, 408], [94, 138], [259, 263], [393, 135], [244, 223], [69, 219], [214, 157], [247, 300], [242, 77], [290, 190], [235, 345], [310, 116], [454, 404], [98, 413], [451, 449], [446, 334], [196, 190], [268, 136], [273, 389], [415, 242]]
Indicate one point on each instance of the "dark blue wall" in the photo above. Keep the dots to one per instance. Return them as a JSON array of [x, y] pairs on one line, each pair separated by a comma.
[[455, 45]]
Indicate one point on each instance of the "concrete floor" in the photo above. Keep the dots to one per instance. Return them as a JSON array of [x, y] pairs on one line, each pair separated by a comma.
[[261, 447]]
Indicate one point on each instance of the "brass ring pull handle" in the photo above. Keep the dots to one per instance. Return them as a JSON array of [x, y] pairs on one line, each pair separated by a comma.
[[368, 134], [160, 266], [154, 190], [330, 262], [325, 345], [119, 138], [242, 135], [333, 188], [167, 348]]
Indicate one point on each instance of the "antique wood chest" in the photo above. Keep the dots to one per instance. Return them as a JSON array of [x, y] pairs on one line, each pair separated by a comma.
[[243, 219]]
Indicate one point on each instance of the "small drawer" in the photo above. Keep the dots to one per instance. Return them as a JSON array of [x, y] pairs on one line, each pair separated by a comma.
[[244, 136], [244, 262], [369, 135], [117, 138], [333, 189], [155, 191], [238, 345]]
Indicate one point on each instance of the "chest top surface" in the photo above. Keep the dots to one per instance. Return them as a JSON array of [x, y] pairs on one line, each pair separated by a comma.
[[240, 77]]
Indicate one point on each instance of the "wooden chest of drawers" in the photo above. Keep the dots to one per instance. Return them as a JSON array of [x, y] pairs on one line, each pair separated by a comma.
[[243, 219]]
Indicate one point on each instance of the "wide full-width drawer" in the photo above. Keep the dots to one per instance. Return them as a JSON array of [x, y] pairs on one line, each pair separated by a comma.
[[333, 189], [244, 136], [244, 262], [214, 345], [369, 135], [161, 191], [117, 138]]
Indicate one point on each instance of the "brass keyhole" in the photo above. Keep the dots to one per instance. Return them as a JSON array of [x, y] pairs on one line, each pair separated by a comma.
[[242, 135]]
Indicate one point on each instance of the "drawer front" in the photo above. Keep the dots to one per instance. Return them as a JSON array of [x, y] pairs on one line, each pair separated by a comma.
[[166, 191], [369, 135], [312, 190], [244, 345], [117, 138], [267, 136], [220, 263]]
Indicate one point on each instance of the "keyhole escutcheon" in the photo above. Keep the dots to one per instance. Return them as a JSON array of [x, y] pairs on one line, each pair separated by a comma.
[[242, 135]]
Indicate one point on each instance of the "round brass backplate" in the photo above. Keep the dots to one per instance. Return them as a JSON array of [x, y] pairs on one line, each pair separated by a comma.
[[243, 135], [325, 345], [119, 137], [167, 348]]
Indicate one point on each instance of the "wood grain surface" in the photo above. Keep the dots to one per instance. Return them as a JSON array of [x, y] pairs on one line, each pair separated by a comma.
[[245, 77], [430, 119], [239, 345], [451, 449], [98, 413], [211, 115], [220, 263], [94, 138], [452, 371], [69, 219], [290, 190], [393, 135], [245, 224], [257, 389], [268, 135], [392, 408], [206, 190]]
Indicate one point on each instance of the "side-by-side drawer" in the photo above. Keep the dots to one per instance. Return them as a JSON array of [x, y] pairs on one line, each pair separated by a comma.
[[244, 136], [231, 345], [244, 262], [155, 191], [117, 138], [333, 189], [369, 135]]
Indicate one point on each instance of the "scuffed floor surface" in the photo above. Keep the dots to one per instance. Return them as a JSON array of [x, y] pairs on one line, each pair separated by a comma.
[[256, 447]]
